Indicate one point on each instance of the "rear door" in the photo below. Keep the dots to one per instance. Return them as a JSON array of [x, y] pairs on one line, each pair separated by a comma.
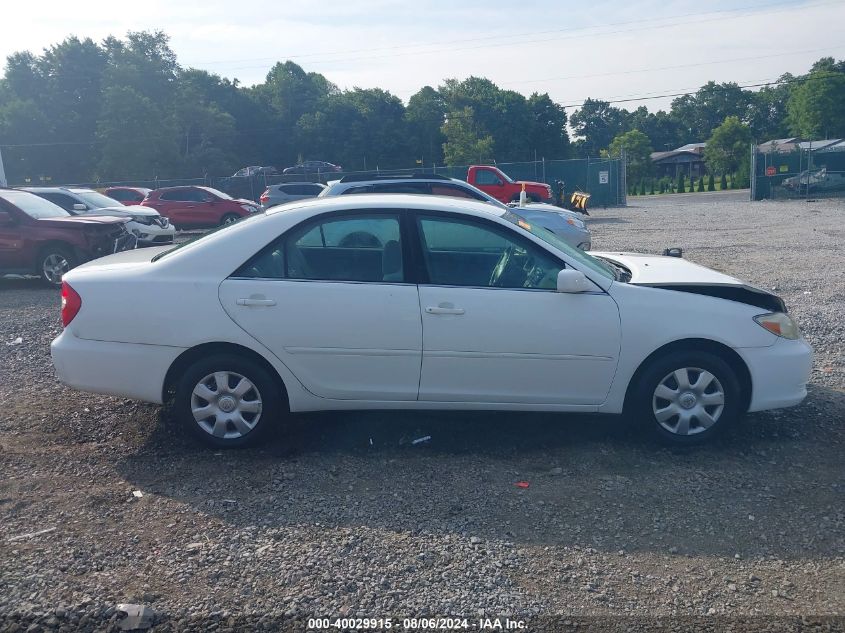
[[329, 298], [180, 205], [12, 252], [494, 328]]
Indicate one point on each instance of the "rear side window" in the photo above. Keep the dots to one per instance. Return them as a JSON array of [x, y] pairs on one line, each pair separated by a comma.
[[363, 248], [184, 195]]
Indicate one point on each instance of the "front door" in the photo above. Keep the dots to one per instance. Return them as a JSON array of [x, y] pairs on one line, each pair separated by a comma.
[[329, 299], [496, 331]]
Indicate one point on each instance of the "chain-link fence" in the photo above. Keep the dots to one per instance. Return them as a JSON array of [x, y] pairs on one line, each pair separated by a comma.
[[602, 178], [802, 173]]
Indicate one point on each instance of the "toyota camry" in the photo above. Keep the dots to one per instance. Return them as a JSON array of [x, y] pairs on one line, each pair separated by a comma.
[[420, 302]]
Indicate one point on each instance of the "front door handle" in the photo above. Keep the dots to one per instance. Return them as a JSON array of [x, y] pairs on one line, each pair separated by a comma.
[[444, 308], [256, 301]]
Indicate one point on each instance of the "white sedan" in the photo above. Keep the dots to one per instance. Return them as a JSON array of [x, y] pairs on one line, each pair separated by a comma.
[[420, 302]]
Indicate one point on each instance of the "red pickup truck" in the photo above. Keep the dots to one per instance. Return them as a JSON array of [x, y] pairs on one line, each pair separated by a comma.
[[495, 182]]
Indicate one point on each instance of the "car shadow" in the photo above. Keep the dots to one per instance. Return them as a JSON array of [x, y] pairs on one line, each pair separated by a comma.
[[764, 489]]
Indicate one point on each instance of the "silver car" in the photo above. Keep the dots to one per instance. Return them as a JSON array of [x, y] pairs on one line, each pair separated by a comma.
[[288, 192], [567, 225]]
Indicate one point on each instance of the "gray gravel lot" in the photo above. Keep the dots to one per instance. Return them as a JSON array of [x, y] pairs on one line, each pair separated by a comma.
[[341, 516]]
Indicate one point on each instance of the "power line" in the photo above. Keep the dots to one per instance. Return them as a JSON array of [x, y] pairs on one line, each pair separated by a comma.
[[509, 37]]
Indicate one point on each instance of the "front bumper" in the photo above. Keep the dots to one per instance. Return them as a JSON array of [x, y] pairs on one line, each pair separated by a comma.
[[779, 373], [153, 235], [127, 370]]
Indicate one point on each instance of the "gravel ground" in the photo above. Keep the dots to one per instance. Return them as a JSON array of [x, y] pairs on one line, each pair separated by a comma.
[[341, 516]]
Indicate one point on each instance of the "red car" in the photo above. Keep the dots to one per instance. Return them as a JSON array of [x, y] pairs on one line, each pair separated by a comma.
[[198, 207], [128, 195], [493, 181], [39, 237]]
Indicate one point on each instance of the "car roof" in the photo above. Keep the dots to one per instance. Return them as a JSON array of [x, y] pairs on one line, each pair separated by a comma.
[[366, 201]]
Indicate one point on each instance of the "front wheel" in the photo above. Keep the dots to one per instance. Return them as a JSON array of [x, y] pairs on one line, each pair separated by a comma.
[[53, 263], [227, 401], [687, 398]]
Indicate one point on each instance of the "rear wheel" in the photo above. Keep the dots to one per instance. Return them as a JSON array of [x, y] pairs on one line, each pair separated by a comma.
[[686, 398], [54, 262], [227, 401], [229, 218]]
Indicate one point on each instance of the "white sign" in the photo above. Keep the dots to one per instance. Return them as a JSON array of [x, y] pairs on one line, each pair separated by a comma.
[[2, 173], [604, 177]]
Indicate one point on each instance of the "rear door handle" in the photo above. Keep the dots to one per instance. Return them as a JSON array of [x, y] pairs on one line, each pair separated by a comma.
[[256, 302], [444, 309]]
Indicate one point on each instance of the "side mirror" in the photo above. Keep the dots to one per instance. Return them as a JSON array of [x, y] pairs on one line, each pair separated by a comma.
[[79, 207], [6, 219], [571, 281]]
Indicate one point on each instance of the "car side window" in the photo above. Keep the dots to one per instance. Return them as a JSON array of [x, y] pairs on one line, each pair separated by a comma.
[[464, 252], [454, 191], [64, 201], [402, 187], [362, 189], [179, 195], [355, 248], [486, 177]]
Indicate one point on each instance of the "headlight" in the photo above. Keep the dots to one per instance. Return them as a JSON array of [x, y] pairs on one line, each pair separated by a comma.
[[779, 324], [249, 208], [143, 219], [575, 222]]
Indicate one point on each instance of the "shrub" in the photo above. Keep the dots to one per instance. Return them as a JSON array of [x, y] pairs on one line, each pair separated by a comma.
[[723, 183], [652, 187], [642, 187], [681, 187], [700, 184], [711, 185]]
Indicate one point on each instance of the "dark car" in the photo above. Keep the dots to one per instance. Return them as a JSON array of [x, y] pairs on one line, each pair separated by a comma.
[[39, 237], [198, 207], [313, 167], [128, 195]]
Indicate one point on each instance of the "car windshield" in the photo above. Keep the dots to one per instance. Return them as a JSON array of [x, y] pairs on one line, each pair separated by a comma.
[[594, 264], [34, 206], [97, 200], [218, 193]]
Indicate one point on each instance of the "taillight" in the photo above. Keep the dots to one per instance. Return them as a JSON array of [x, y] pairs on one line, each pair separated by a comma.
[[71, 302]]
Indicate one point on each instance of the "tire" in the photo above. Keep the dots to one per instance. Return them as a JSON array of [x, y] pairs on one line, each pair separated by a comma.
[[229, 218], [690, 412], [53, 262], [200, 406]]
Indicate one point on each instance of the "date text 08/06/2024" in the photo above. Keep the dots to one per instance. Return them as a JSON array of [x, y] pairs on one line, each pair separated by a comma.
[[415, 624]]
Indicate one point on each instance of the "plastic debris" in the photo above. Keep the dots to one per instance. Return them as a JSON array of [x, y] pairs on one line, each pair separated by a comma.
[[137, 494], [522, 484], [17, 341], [21, 537], [420, 440], [138, 616]]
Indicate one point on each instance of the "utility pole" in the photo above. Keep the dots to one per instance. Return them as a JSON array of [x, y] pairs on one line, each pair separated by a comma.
[[3, 182]]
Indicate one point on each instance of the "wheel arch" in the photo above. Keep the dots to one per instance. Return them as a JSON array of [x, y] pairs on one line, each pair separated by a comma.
[[189, 356], [52, 243], [730, 356]]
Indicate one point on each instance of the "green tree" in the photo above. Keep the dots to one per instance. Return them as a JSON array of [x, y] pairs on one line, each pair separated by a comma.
[[598, 123], [465, 142], [728, 148], [723, 183], [548, 135], [700, 184], [816, 106], [425, 115], [637, 153], [702, 112], [711, 185], [681, 188]]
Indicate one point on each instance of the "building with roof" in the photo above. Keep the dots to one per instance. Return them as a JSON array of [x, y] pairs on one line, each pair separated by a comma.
[[687, 159]]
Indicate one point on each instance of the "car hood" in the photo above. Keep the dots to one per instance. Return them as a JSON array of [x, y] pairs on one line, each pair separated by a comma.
[[530, 183], [134, 210], [675, 273], [81, 221], [245, 201]]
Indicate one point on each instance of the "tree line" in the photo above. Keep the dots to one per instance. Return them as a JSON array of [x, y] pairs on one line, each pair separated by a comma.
[[125, 109]]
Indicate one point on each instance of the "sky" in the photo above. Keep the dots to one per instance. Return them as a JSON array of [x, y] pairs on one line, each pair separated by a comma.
[[607, 49]]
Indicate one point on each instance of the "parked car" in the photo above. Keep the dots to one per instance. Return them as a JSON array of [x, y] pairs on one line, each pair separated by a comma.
[[39, 237], [495, 182], [816, 180], [288, 192], [565, 224], [312, 167], [255, 170], [127, 195], [415, 302], [145, 224], [198, 207]]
